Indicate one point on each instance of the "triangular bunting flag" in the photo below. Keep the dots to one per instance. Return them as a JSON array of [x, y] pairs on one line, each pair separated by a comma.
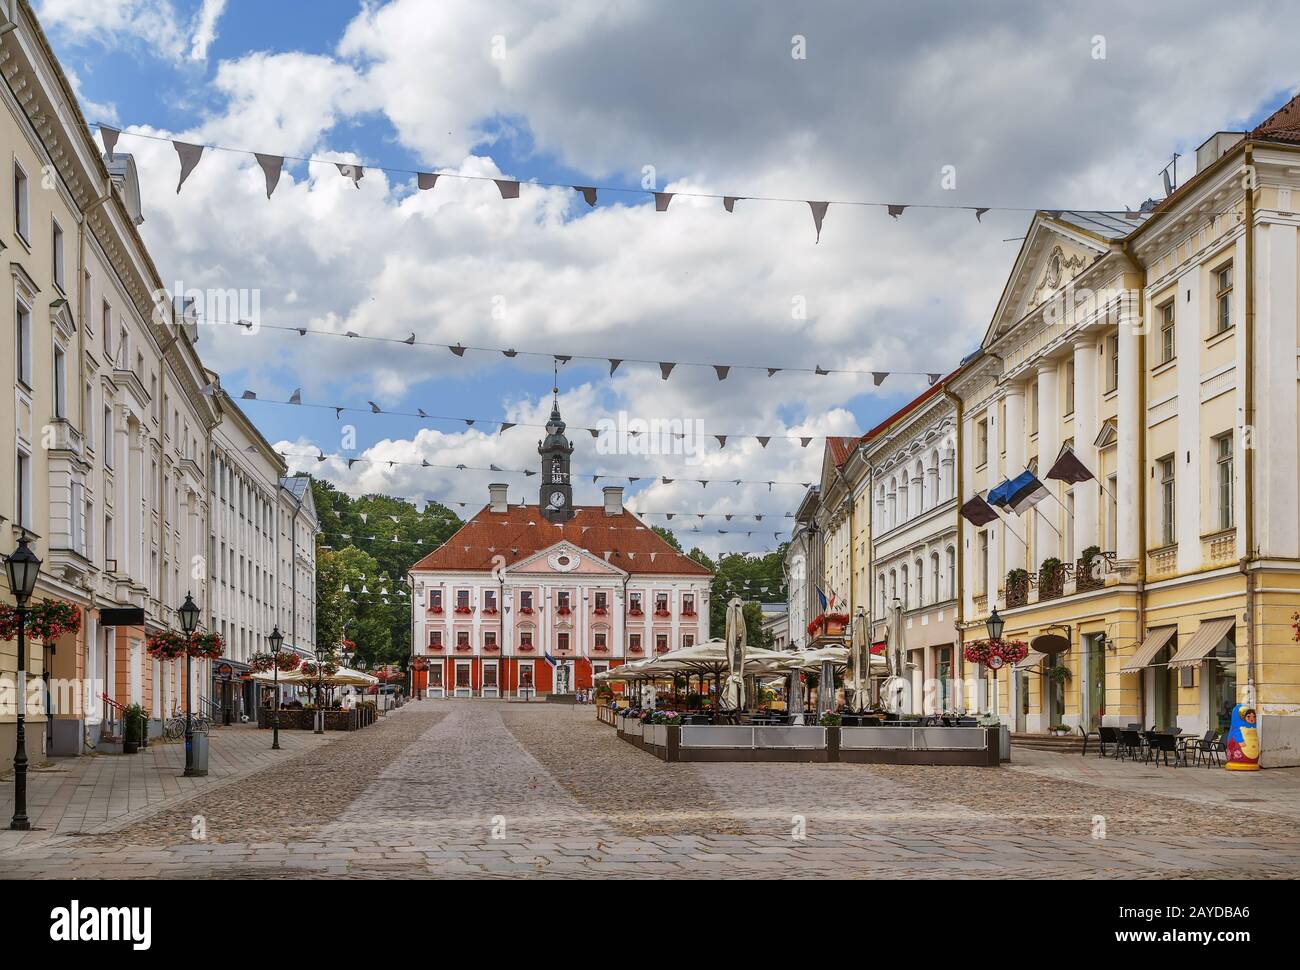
[[878, 377], [588, 193], [505, 426], [661, 201], [820, 371], [773, 370], [248, 396], [110, 137], [721, 371], [189, 156], [665, 369], [425, 180], [296, 397], [818, 214], [895, 210], [722, 440], [729, 202], [509, 188], [764, 439], [979, 214], [613, 365], [271, 166], [458, 350], [349, 171], [803, 442]]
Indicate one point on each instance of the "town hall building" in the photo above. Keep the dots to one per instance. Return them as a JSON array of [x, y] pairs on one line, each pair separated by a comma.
[[530, 600]]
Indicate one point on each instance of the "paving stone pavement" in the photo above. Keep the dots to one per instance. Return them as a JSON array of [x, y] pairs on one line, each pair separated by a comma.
[[487, 789]]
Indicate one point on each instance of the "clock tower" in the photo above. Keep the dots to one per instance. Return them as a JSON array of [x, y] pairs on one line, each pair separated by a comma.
[[556, 494]]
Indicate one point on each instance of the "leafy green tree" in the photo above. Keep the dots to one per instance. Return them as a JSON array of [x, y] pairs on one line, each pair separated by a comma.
[[667, 536], [377, 537]]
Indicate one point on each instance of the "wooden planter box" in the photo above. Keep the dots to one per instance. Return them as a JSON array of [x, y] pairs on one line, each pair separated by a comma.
[[301, 719]]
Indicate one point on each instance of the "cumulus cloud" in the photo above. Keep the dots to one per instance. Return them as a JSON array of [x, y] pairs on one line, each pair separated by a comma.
[[1013, 98]]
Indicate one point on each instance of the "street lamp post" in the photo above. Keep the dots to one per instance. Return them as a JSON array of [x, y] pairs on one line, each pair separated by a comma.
[[320, 691], [22, 566], [276, 640], [189, 614], [994, 625]]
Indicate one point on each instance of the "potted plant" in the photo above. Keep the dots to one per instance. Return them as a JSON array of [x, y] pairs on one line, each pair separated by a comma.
[[1059, 674], [1051, 579], [1059, 730], [1017, 591], [134, 727], [830, 719], [1083, 577]]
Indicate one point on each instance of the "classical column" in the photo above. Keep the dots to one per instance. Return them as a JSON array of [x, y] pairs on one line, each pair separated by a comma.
[[1085, 434], [1048, 540], [1129, 428], [934, 494], [1014, 399], [946, 480]]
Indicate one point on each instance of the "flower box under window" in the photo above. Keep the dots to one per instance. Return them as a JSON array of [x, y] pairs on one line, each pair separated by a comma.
[[464, 610], [489, 611], [563, 610], [525, 648], [662, 612], [636, 611], [436, 609], [689, 611], [525, 611], [463, 648], [601, 611]]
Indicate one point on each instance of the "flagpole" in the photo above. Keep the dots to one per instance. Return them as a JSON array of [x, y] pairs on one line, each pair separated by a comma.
[[1006, 525]]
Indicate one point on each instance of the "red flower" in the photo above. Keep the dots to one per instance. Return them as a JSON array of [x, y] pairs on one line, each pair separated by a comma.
[[436, 609]]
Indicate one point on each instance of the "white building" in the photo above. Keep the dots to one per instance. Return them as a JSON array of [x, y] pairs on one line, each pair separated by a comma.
[[261, 553]]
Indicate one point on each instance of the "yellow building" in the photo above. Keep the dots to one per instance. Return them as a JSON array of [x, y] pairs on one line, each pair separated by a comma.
[[1160, 347]]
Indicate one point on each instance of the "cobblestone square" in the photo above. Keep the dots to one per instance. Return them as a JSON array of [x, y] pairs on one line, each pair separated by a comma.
[[489, 789]]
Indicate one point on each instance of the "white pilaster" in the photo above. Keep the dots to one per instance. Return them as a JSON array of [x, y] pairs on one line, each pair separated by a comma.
[[1085, 434]]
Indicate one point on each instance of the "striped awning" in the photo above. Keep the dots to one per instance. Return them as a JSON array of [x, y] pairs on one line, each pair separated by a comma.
[[1032, 660], [1152, 645], [1202, 643]]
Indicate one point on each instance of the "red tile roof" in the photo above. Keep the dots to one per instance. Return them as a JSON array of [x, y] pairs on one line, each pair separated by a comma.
[[522, 531], [840, 449], [1282, 125]]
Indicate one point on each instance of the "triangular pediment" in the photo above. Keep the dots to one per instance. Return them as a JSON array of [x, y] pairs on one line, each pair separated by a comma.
[[564, 559], [1052, 254]]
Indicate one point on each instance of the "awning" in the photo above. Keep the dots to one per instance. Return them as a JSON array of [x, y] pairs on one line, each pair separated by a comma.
[[1032, 659], [1152, 645], [1202, 643]]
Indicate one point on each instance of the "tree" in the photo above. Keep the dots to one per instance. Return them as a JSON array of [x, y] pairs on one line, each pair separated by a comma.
[[382, 537], [667, 536], [755, 579]]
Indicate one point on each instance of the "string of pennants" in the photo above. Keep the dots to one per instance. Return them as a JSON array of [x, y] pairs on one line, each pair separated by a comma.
[[666, 367], [189, 154], [295, 399], [729, 516], [321, 456]]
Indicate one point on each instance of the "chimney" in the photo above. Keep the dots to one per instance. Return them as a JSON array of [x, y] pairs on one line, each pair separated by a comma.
[[497, 495], [614, 500]]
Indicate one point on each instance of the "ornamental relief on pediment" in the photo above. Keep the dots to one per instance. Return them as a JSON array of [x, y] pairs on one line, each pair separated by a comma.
[[1058, 271]]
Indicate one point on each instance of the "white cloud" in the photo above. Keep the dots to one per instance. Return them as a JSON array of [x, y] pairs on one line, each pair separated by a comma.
[[205, 28], [1010, 96]]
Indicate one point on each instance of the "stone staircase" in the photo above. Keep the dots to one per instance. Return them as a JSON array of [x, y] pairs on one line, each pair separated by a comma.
[[1070, 744]]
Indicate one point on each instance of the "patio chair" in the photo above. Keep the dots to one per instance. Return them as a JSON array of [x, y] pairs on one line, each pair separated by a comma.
[[1195, 745], [1130, 744], [1105, 736], [1160, 747], [1086, 735]]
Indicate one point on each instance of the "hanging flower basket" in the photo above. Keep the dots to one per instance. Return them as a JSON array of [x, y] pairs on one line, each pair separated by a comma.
[[312, 670], [208, 646], [286, 661], [996, 654], [46, 620], [167, 645]]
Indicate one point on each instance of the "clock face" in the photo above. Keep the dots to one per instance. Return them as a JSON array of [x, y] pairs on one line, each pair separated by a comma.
[[557, 499]]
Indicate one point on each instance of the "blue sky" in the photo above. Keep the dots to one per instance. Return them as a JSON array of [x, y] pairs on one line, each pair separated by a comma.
[[588, 94]]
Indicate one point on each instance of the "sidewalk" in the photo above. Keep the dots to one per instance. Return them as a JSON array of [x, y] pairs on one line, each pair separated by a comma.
[[1273, 790], [94, 793]]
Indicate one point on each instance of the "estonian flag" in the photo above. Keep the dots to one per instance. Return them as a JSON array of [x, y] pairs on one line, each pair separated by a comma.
[[998, 494], [978, 512], [1068, 468], [1024, 492]]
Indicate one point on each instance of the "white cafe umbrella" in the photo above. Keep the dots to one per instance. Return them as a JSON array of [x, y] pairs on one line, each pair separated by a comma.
[[859, 649], [896, 687], [733, 689]]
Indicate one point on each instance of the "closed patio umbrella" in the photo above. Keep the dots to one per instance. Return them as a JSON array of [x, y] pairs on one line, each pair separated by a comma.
[[860, 650], [733, 690], [896, 687]]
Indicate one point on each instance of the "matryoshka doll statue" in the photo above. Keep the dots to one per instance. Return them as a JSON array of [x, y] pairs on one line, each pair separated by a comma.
[[1243, 741]]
